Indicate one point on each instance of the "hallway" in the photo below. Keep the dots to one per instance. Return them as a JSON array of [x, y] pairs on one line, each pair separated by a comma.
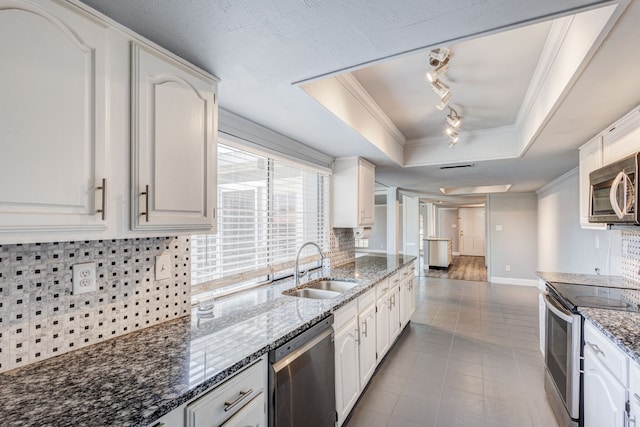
[[462, 268], [469, 357]]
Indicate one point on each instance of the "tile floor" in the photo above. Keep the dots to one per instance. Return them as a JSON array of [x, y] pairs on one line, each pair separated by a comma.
[[469, 357]]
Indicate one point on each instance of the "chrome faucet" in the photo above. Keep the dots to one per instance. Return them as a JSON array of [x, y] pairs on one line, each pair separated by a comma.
[[296, 269]]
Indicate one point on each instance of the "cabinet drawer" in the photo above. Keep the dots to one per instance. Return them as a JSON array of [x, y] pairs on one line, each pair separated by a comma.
[[606, 352], [366, 299], [382, 288], [344, 315], [226, 400]]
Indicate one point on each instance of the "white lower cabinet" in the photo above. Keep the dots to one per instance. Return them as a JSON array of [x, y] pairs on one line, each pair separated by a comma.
[[367, 325], [605, 381], [382, 322], [394, 312], [604, 395], [239, 401], [347, 359]]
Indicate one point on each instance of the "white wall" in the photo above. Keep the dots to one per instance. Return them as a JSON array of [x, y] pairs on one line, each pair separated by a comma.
[[411, 227], [516, 244], [448, 226], [565, 247], [378, 236]]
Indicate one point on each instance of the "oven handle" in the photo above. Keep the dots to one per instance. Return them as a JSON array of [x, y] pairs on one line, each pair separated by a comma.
[[557, 309]]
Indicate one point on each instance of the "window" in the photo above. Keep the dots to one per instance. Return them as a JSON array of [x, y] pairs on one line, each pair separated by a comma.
[[267, 208]]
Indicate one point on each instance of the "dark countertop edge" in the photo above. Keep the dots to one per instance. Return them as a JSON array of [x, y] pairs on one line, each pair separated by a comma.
[[229, 371]]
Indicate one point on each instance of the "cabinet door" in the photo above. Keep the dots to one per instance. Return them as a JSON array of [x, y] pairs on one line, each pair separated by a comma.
[[590, 160], [604, 396], [367, 324], [366, 192], [52, 116], [174, 127], [382, 326], [622, 139], [347, 376], [394, 313], [404, 304]]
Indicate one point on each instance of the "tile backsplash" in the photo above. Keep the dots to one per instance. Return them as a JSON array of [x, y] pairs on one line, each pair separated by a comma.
[[631, 254], [342, 246], [41, 318]]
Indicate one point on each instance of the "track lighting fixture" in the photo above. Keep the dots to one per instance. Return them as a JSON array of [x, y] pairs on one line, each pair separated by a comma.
[[433, 75], [444, 101], [441, 89], [454, 119], [438, 56]]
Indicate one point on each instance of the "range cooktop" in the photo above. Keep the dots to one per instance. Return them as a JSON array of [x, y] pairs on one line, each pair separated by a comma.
[[596, 296]]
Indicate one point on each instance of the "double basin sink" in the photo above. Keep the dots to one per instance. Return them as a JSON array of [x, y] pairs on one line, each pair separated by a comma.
[[322, 289]]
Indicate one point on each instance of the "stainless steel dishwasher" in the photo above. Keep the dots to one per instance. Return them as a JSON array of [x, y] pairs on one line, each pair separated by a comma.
[[302, 379]]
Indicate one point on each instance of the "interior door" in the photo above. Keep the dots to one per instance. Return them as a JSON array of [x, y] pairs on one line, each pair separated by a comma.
[[472, 231]]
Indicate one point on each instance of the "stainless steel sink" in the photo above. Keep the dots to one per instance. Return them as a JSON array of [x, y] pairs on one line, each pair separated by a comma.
[[312, 293], [322, 289], [333, 285]]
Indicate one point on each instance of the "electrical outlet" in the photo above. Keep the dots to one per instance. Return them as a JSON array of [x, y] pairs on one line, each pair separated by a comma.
[[507, 268], [84, 278], [163, 267]]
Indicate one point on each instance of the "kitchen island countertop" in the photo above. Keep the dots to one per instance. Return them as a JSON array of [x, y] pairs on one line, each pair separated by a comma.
[[135, 379]]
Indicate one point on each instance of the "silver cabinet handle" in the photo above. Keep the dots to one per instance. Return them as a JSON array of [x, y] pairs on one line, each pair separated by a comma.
[[636, 397], [103, 207], [596, 349], [393, 300], [146, 203], [357, 335], [364, 329], [385, 289], [243, 395]]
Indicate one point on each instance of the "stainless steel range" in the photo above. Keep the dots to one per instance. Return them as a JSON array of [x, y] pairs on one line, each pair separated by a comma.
[[563, 350]]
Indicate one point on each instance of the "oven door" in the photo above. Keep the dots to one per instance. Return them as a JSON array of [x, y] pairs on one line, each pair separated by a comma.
[[562, 353]]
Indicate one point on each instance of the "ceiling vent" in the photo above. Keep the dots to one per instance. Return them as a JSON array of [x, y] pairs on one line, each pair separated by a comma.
[[467, 165]]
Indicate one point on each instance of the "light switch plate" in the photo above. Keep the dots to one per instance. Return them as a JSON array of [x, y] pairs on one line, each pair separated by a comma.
[[163, 267]]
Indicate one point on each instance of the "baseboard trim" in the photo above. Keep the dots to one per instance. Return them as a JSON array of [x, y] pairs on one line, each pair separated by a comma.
[[455, 253], [513, 281]]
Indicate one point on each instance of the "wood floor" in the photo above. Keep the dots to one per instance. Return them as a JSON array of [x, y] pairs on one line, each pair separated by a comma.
[[462, 268]]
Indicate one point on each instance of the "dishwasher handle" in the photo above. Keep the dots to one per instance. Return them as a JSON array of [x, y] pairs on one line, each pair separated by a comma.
[[289, 358]]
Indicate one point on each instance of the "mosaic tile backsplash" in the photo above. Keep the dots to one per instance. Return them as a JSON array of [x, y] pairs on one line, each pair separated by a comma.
[[41, 318], [342, 246], [631, 254]]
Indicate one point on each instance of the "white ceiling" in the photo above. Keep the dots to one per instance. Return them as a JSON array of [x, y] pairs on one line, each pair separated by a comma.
[[259, 48]]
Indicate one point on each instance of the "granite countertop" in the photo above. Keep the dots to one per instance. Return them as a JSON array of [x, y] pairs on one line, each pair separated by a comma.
[[589, 279], [622, 327], [135, 379]]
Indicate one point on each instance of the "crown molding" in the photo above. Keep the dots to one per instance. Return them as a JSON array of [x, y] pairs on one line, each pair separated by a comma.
[[368, 103]]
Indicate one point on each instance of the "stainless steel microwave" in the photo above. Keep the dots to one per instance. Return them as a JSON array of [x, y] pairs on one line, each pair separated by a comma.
[[614, 192]]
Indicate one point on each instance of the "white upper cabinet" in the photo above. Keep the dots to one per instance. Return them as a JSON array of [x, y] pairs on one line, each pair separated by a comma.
[[353, 192], [52, 116], [622, 138], [619, 140], [174, 127]]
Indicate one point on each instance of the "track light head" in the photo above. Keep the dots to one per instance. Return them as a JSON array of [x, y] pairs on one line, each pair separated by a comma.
[[441, 89], [454, 119], [433, 75], [438, 56], [444, 101]]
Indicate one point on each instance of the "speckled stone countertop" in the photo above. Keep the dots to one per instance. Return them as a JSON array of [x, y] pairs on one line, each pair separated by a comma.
[[588, 279], [622, 327], [135, 379]]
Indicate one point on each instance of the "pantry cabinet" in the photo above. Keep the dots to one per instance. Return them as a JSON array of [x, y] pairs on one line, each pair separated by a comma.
[[173, 150], [353, 192], [52, 116]]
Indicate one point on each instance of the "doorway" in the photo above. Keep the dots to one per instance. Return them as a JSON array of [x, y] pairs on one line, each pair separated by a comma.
[[472, 231]]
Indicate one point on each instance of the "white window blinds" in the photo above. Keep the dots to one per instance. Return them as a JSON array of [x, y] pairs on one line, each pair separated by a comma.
[[267, 208]]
